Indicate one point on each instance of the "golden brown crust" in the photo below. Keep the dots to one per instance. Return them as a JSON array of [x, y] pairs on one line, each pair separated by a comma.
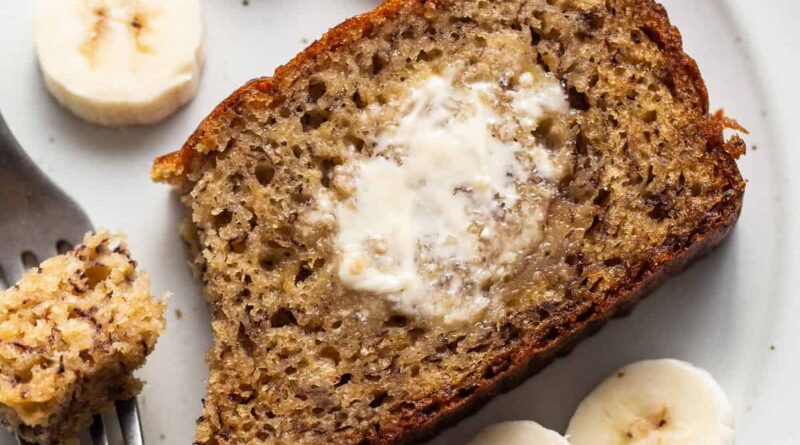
[[171, 167], [564, 330]]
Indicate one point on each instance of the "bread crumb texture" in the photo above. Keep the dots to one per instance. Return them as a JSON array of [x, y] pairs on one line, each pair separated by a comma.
[[299, 358], [72, 331]]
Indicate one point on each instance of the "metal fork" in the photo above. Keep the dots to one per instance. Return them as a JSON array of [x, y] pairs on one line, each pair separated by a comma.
[[37, 220]]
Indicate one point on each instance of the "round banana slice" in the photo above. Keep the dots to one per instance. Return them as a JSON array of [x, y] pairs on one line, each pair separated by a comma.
[[655, 402], [522, 432], [120, 62]]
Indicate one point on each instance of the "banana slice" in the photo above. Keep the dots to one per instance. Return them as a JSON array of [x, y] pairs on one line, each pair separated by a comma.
[[652, 403], [120, 62], [523, 432]]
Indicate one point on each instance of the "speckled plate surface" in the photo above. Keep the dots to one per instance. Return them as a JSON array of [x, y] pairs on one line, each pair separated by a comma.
[[734, 313]]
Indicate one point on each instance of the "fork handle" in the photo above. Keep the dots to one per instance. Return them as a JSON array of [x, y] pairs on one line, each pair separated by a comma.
[[13, 158], [21, 177]]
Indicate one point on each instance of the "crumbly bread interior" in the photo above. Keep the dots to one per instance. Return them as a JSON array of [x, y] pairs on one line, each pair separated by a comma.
[[72, 331], [299, 358]]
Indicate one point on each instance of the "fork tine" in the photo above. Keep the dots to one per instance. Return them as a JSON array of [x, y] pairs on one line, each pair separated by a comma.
[[129, 421], [11, 270], [21, 441], [98, 431]]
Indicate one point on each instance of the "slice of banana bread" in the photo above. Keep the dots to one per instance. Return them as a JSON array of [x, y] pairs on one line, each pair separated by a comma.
[[72, 331], [436, 199]]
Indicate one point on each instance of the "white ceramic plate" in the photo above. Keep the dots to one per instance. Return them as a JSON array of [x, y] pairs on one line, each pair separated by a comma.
[[734, 313]]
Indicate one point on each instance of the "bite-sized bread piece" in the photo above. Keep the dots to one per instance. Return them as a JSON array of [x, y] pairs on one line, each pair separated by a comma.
[[72, 331], [435, 200]]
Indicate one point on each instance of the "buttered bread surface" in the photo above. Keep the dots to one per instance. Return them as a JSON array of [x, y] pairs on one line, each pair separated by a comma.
[[436, 198]]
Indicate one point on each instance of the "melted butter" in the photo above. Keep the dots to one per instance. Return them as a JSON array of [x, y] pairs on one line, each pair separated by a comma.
[[436, 213]]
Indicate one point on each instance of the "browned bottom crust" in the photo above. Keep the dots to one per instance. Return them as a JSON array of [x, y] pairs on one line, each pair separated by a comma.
[[570, 329]]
